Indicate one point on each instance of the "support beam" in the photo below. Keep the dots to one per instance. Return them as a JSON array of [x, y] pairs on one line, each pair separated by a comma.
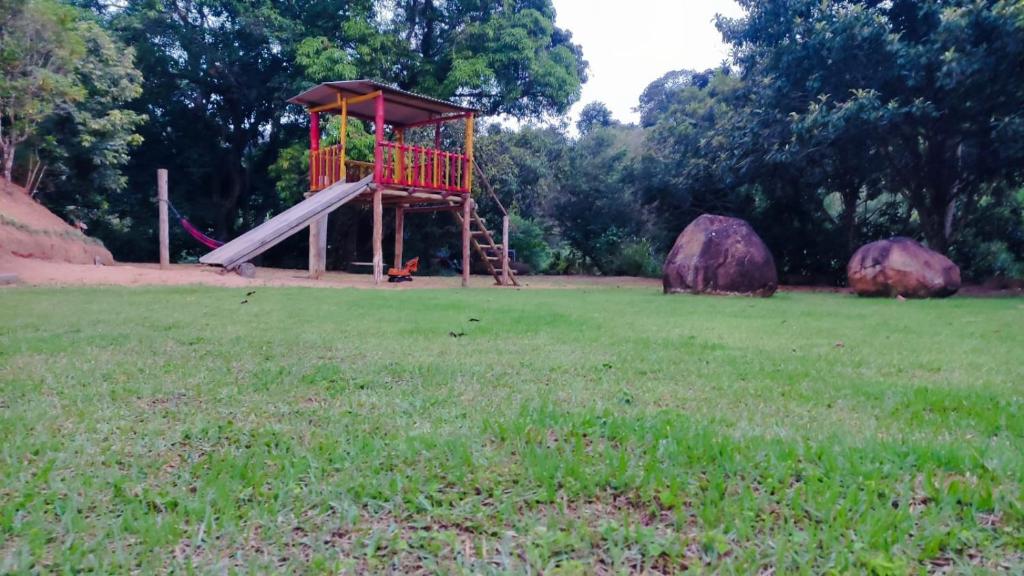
[[363, 97], [504, 250], [466, 215], [399, 235], [344, 139], [315, 175], [318, 248], [351, 100], [468, 172], [314, 131], [378, 151], [378, 250], [436, 121], [438, 208], [161, 194], [400, 165]]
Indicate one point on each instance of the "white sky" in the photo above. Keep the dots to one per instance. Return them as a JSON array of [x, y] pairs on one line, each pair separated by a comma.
[[630, 43]]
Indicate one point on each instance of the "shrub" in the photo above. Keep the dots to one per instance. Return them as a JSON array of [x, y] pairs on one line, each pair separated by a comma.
[[527, 238], [635, 257]]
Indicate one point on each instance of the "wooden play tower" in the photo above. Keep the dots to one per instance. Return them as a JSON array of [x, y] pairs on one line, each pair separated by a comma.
[[407, 177]]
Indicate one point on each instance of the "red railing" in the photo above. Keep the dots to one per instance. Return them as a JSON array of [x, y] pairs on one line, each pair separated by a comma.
[[426, 168], [401, 165]]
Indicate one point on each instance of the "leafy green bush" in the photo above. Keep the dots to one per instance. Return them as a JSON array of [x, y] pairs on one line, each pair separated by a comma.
[[568, 260], [635, 257], [527, 238]]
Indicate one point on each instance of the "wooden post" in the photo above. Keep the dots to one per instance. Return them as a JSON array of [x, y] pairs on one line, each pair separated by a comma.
[[469, 153], [378, 151], [399, 234], [467, 201], [318, 248], [315, 172], [400, 165], [161, 194], [378, 251], [504, 250], [344, 138], [314, 131]]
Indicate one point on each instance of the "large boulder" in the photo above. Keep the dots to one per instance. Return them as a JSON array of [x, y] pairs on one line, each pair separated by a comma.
[[720, 255], [902, 267]]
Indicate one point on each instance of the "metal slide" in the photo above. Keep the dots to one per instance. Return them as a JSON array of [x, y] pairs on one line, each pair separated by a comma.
[[274, 231]]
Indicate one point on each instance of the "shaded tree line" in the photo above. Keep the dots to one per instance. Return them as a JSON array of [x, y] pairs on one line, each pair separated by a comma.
[[833, 124], [211, 79]]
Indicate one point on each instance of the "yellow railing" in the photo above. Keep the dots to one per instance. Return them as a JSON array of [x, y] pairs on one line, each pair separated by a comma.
[[328, 165]]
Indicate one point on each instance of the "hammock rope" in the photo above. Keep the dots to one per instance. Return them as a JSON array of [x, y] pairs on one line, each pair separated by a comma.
[[193, 231]]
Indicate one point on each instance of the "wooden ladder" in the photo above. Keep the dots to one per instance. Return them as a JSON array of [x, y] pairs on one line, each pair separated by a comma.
[[483, 243]]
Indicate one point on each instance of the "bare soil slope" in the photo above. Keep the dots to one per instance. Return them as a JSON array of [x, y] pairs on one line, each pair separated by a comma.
[[29, 231]]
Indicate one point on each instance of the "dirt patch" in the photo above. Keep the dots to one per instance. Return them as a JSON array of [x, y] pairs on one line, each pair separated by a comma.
[[29, 231], [34, 271]]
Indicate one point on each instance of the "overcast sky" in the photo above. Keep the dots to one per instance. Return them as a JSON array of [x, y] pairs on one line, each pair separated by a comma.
[[630, 43]]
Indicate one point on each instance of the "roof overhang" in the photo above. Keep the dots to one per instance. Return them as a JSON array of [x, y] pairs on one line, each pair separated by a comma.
[[401, 108]]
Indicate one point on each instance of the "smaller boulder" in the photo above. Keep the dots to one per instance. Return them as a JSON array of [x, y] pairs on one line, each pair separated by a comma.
[[902, 267], [720, 255]]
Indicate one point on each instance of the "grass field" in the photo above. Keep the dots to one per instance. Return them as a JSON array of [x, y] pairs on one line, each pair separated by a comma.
[[565, 432]]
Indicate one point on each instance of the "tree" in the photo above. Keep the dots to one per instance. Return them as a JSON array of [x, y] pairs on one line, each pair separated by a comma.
[[698, 152], [218, 74], [85, 145], [501, 57], [657, 97], [594, 115], [596, 207], [39, 48], [522, 167], [929, 86]]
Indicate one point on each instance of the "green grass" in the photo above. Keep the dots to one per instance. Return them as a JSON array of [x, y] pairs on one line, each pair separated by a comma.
[[568, 431]]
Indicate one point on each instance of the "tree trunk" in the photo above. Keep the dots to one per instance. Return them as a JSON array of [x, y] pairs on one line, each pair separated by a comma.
[[8, 150], [849, 220], [933, 221], [230, 194]]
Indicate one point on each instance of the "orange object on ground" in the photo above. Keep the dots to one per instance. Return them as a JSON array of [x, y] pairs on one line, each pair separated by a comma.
[[404, 274]]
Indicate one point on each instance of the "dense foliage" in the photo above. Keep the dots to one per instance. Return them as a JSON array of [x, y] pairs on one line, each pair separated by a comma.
[[63, 92], [834, 124], [215, 77]]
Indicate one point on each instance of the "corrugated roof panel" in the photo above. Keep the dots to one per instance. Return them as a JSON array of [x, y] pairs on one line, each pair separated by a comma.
[[401, 107]]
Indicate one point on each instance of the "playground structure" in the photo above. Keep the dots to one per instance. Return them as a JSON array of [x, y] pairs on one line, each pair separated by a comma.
[[406, 177]]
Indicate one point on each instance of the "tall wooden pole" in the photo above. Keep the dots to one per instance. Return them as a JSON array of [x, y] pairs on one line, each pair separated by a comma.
[[161, 194], [399, 176], [504, 250], [315, 169], [318, 248], [378, 250], [467, 202], [378, 150], [399, 235], [344, 138], [378, 208], [469, 154], [317, 228], [314, 131]]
